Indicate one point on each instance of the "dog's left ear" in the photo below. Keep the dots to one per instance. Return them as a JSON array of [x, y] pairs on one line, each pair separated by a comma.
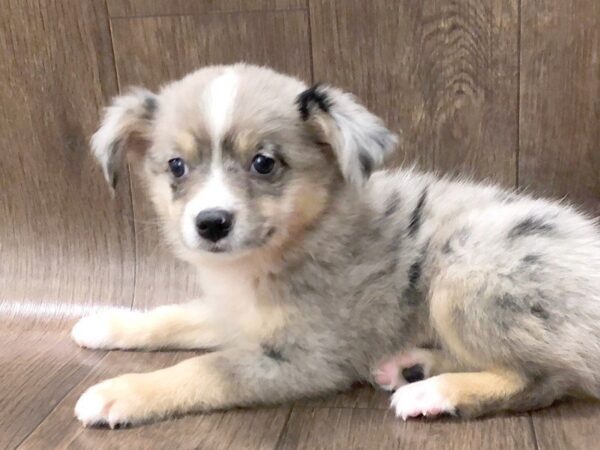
[[359, 139], [126, 128]]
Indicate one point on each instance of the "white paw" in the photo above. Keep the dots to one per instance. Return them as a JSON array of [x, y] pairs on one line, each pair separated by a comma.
[[113, 402], [423, 398], [102, 331]]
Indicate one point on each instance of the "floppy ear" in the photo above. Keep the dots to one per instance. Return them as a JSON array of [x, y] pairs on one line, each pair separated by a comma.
[[126, 126], [359, 139]]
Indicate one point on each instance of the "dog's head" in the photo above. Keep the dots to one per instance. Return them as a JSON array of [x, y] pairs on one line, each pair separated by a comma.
[[240, 158]]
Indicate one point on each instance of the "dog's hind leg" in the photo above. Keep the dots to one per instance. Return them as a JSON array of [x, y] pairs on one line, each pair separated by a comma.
[[472, 394], [184, 326]]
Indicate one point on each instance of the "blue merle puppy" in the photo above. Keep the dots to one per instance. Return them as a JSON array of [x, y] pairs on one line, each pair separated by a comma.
[[318, 270]]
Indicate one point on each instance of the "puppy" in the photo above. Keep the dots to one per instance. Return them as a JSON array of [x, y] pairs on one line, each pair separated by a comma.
[[318, 272]]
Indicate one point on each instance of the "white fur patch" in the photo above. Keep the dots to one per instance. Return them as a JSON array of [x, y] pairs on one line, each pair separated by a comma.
[[218, 101], [90, 408], [423, 398], [102, 330], [112, 402], [214, 194]]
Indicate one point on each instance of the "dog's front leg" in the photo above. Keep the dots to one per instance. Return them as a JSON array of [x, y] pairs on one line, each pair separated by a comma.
[[217, 380], [185, 326]]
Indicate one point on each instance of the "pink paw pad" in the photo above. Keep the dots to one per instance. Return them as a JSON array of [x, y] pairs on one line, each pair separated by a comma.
[[387, 375]]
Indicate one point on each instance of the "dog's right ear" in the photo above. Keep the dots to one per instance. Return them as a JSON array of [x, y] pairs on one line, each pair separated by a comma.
[[126, 127]]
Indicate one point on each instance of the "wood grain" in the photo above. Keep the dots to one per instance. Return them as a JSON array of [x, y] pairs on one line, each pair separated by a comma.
[[568, 426], [38, 369], [359, 396], [128, 8], [151, 51], [65, 245], [341, 428], [560, 110], [443, 73]]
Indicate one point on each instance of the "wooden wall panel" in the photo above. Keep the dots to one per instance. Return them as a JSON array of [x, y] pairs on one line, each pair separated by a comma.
[[129, 8], [66, 246], [152, 51], [442, 72], [560, 99]]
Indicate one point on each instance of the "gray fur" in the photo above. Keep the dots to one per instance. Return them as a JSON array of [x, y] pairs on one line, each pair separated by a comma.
[[361, 281], [415, 218], [361, 140], [392, 204], [127, 119], [529, 226]]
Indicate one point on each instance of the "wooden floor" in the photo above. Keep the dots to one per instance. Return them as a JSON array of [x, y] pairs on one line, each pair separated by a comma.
[[43, 373], [506, 90]]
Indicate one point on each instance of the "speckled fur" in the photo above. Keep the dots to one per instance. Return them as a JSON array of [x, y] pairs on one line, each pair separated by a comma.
[[361, 267]]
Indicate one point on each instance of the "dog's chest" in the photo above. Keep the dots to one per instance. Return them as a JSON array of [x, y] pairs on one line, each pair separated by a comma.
[[243, 301]]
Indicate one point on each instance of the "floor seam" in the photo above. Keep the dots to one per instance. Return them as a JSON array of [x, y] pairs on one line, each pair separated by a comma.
[[518, 137], [130, 175], [284, 428], [60, 402], [535, 439], [310, 43]]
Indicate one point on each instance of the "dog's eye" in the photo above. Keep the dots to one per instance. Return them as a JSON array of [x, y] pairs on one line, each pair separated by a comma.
[[177, 166], [263, 164]]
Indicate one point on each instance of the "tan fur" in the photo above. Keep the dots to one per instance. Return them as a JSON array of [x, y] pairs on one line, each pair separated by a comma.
[[446, 298], [307, 201], [196, 383], [475, 392], [186, 142]]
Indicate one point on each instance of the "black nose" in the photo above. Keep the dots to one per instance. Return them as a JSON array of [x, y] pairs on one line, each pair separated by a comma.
[[214, 224]]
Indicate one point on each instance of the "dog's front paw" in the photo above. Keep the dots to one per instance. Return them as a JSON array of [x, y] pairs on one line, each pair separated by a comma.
[[115, 402], [107, 330], [423, 398]]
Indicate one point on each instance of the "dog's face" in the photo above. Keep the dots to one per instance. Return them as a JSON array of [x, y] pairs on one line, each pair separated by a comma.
[[241, 159]]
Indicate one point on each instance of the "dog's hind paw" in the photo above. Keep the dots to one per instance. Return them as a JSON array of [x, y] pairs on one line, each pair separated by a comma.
[[423, 398]]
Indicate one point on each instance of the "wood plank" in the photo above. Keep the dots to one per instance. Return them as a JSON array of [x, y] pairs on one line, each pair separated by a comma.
[[560, 88], [359, 396], [39, 368], [151, 51], [129, 8], [443, 72], [571, 425], [341, 428], [251, 428], [66, 246]]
